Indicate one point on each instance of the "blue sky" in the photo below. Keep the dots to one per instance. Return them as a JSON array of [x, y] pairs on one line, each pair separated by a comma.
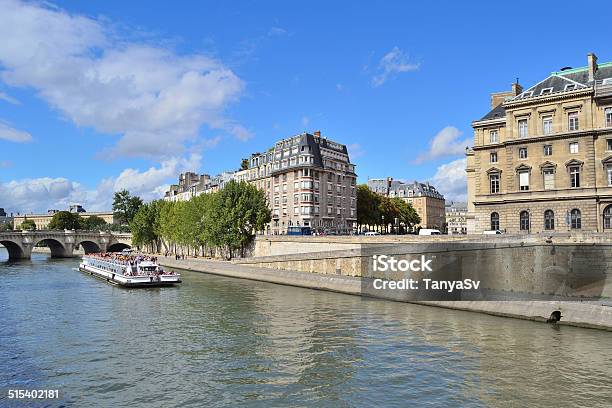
[[101, 95]]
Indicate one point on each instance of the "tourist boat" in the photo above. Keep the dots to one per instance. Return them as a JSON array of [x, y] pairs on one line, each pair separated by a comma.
[[128, 270]]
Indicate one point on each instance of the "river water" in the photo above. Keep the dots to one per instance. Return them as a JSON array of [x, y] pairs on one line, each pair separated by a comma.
[[216, 342]]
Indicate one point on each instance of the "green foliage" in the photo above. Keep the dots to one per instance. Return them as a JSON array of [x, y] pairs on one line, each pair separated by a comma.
[[6, 226], [28, 225], [368, 206], [65, 220], [125, 206], [225, 220], [374, 209], [93, 223]]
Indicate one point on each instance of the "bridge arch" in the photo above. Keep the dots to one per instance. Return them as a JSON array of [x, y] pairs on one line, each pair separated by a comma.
[[15, 251], [117, 247], [88, 246], [58, 249]]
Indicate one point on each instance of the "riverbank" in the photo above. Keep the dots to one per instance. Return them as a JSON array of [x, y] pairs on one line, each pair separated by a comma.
[[579, 314]]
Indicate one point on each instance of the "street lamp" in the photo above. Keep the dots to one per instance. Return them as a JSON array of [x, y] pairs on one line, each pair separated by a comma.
[[383, 223]]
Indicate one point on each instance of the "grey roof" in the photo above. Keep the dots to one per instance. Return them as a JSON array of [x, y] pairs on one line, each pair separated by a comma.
[[498, 112], [559, 81], [567, 80]]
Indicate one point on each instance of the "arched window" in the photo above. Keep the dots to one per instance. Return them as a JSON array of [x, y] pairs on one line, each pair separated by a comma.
[[549, 220], [607, 217], [575, 219], [494, 221], [524, 217]]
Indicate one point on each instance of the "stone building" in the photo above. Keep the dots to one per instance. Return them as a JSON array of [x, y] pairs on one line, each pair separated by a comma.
[[309, 181], [424, 198], [191, 184], [542, 157], [42, 220], [456, 218]]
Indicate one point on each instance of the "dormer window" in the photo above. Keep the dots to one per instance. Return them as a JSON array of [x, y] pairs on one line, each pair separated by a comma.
[[546, 91], [570, 87], [527, 94]]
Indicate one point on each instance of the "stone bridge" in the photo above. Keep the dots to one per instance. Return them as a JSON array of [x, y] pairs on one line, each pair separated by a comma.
[[62, 243]]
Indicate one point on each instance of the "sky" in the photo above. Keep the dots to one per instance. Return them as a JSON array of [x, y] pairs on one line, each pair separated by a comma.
[[98, 96]]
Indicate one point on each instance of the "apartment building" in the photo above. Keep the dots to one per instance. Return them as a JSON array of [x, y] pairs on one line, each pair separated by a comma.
[[308, 181], [456, 218], [542, 156], [192, 184], [424, 198]]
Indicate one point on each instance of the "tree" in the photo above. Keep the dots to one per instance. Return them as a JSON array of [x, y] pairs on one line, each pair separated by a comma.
[[28, 225], [93, 223], [125, 206], [241, 211], [63, 220], [143, 226], [244, 165], [407, 215], [368, 206]]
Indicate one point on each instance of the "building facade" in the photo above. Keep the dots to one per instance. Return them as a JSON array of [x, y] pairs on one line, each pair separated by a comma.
[[191, 184], [42, 220], [424, 198], [308, 181], [456, 218], [542, 157]]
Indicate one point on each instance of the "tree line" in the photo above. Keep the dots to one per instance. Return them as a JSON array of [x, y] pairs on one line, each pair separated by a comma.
[[381, 212], [220, 223]]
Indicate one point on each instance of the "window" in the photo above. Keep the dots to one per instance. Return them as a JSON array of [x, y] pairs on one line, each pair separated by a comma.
[[608, 117], [607, 217], [575, 219], [522, 152], [494, 182], [524, 221], [495, 221], [547, 150], [549, 178], [524, 180], [572, 119], [573, 147], [574, 176], [522, 126], [569, 87], [549, 220], [546, 91], [494, 157], [547, 125], [609, 144], [494, 136]]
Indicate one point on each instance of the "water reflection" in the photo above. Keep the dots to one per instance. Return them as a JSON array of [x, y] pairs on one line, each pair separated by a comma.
[[216, 341]]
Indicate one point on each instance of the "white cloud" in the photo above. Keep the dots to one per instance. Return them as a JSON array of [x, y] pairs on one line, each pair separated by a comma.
[[39, 195], [42, 194], [445, 143], [153, 97], [355, 151], [9, 99], [393, 63], [12, 134], [451, 180]]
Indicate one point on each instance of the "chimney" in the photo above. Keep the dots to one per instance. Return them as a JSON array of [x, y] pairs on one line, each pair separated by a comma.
[[317, 133], [499, 97], [592, 59]]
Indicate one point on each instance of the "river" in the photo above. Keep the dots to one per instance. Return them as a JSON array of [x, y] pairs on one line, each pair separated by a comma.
[[216, 342]]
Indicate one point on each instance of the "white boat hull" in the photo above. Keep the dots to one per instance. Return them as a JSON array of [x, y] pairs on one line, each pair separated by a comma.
[[130, 281]]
